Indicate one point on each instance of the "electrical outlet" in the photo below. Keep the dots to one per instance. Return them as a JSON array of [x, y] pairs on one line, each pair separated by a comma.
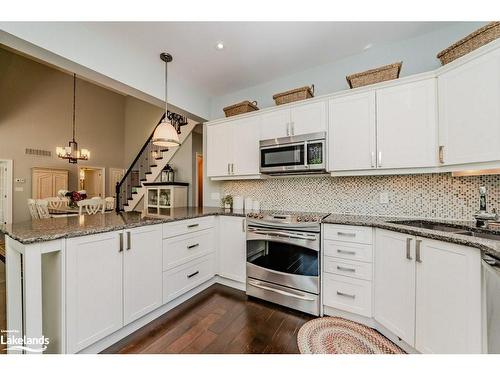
[[384, 197]]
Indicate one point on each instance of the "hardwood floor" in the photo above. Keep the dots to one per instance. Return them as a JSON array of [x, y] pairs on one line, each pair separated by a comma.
[[219, 320]]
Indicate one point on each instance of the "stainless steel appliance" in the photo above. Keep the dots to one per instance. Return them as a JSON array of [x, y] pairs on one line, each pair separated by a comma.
[[491, 269], [283, 259], [294, 155]]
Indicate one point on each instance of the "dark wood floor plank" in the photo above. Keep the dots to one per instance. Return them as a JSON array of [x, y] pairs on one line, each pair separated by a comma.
[[218, 320]]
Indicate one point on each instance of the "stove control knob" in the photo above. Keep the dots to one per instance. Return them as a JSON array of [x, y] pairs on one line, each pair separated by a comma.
[[306, 219], [314, 219], [299, 218], [261, 216]]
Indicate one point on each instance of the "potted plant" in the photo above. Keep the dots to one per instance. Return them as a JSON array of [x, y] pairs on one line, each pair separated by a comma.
[[227, 202]]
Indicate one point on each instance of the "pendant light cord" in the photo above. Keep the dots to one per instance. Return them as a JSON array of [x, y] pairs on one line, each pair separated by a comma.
[[166, 91], [74, 104]]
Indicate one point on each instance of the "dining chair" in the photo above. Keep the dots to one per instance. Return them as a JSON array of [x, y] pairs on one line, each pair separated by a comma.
[[92, 206], [42, 207], [32, 208], [110, 203], [56, 202]]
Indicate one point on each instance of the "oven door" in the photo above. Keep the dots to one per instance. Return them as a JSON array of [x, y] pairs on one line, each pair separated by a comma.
[[288, 258], [279, 158]]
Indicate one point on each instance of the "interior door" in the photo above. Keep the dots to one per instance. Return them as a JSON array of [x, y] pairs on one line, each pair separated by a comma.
[[219, 149], [308, 118], [94, 301], [246, 136], [115, 176], [142, 271], [407, 125], [351, 138], [448, 300], [394, 281], [275, 124]]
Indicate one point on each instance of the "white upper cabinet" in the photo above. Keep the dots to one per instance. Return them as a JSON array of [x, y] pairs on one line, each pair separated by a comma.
[[246, 136], [407, 125], [448, 299], [220, 144], [142, 271], [469, 111], [308, 118], [351, 135], [295, 120], [233, 147], [394, 281]]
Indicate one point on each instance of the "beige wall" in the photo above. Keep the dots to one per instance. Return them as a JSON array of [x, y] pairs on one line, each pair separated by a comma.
[[36, 112]]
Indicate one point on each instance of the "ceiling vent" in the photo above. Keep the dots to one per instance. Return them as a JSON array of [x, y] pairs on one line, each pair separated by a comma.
[[35, 152]]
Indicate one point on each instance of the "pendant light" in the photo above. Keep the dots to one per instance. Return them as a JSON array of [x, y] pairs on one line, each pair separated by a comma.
[[71, 152], [165, 133]]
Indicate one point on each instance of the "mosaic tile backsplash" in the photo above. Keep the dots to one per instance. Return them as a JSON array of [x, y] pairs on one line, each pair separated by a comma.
[[439, 196]]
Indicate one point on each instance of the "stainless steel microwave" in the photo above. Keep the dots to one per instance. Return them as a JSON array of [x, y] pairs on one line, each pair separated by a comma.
[[294, 155]]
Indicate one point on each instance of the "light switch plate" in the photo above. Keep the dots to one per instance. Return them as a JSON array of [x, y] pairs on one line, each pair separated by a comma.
[[20, 180], [384, 197]]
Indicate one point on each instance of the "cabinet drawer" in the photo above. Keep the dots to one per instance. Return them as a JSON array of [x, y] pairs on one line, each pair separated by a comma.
[[187, 226], [180, 280], [347, 250], [348, 233], [350, 268], [348, 294], [182, 249]]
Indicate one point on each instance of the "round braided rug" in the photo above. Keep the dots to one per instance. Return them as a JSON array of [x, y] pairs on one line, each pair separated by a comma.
[[332, 335]]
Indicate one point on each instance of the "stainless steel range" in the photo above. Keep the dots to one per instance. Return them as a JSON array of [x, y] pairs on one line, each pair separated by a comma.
[[283, 259]]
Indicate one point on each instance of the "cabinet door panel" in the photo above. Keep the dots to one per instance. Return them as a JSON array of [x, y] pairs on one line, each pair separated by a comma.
[[275, 124], [395, 284], [448, 311], [246, 136], [407, 125], [351, 139], [308, 118], [219, 149], [93, 289], [142, 268], [45, 185], [232, 248], [469, 114]]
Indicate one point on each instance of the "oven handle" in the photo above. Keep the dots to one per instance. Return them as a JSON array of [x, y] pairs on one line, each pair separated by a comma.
[[282, 292], [284, 234]]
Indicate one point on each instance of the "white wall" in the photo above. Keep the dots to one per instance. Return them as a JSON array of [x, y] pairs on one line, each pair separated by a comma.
[[106, 54], [418, 55]]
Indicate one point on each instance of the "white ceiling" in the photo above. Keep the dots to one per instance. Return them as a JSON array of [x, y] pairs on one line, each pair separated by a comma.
[[255, 52]]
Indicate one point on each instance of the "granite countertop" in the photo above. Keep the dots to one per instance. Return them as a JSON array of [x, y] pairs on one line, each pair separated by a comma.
[[491, 247], [33, 231]]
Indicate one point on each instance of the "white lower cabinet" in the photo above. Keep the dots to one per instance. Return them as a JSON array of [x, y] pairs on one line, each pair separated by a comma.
[[94, 299], [348, 293], [142, 272], [232, 248], [428, 293]]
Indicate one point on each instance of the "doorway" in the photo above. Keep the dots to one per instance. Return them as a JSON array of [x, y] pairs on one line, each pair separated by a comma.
[[93, 181], [115, 176], [199, 180]]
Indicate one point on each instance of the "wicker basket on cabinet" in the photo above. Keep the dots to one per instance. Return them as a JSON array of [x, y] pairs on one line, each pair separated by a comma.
[[478, 38], [239, 108], [294, 95], [369, 77]]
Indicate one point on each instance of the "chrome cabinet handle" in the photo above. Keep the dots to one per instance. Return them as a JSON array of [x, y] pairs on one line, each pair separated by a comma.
[[346, 252], [417, 251], [380, 158], [346, 269], [285, 234], [192, 226], [129, 241], [346, 234], [228, 168], [282, 292], [408, 248], [292, 128], [373, 159], [193, 246], [121, 242], [441, 154], [346, 294], [193, 274], [243, 225]]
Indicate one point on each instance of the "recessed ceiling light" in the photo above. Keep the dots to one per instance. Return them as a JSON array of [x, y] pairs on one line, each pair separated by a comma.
[[367, 47], [219, 45]]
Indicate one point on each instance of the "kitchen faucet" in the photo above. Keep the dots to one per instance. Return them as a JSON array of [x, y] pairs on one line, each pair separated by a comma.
[[483, 217]]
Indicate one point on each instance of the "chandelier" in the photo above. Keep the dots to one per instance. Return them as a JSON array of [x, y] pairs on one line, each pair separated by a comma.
[[71, 152], [167, 131]]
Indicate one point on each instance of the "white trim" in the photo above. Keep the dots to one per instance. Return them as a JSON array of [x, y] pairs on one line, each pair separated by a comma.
[[244, 177], [103, 177], [8, 177]]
